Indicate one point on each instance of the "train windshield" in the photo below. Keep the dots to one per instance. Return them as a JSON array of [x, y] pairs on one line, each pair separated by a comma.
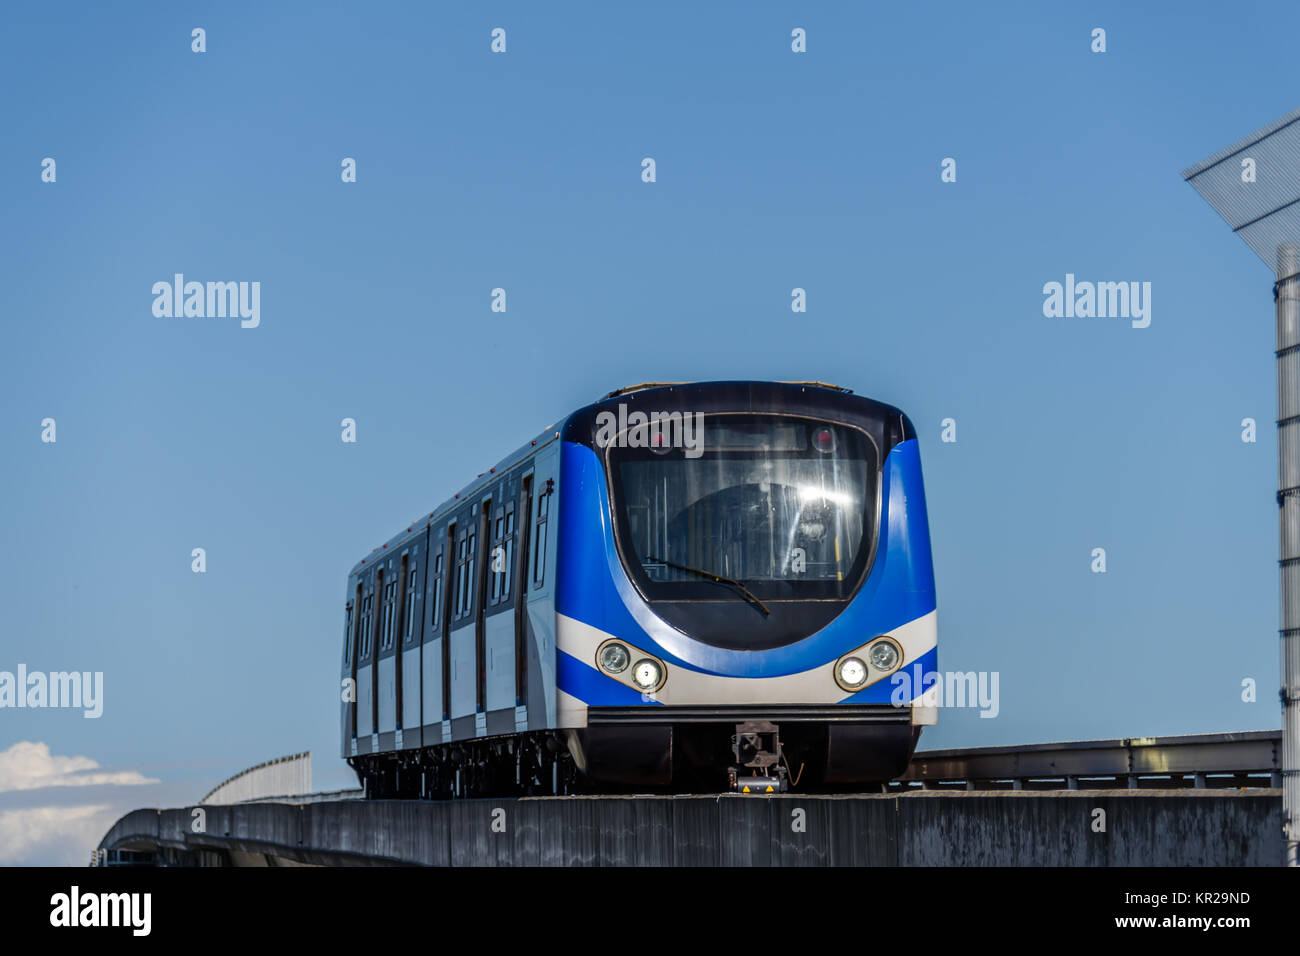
[[786, 506]]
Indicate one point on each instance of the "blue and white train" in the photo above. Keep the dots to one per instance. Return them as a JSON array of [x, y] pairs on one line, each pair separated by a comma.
[[680, 587]]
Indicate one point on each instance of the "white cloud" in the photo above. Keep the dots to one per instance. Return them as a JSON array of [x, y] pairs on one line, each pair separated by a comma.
[[29, 765], [56, 832], [53, 836]]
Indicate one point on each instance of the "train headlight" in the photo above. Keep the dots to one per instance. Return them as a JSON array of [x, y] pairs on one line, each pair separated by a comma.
[[883, 655], [647, 674], [614, 658], [852, 672]]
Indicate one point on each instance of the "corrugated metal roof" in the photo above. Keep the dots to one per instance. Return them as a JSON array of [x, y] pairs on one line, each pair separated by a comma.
[[1263, 208]]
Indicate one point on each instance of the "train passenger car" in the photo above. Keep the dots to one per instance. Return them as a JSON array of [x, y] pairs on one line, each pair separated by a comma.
[[680, 586]]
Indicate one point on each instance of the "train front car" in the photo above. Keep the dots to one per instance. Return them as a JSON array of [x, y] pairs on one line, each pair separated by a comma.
[[745, 594]]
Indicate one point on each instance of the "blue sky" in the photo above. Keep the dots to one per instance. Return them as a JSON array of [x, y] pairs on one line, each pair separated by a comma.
[[522, 170]]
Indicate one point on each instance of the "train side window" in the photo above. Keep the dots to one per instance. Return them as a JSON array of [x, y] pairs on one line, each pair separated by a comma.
[[354, 636], [467, 579], [411, 584], [458, 581], [458, 593], [494, 564], [469, 574], [367, 609], [386, 625], [367, 622], [539, 538], [347, 636], [435, 599], [464, 579], [507, 551]]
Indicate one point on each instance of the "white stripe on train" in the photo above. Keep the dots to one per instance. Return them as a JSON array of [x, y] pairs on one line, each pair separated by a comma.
[[689, 687]]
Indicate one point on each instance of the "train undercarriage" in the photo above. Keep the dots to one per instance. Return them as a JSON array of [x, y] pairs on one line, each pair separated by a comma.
[[622, 752]]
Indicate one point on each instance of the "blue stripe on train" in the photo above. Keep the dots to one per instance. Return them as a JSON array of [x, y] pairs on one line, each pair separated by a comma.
[[590, 686], [593, 588]]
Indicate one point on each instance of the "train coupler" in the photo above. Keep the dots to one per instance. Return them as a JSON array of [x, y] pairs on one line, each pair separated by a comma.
[[759, 766]]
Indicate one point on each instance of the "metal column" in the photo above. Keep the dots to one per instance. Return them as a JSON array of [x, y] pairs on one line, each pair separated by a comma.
[[1254, 184], [1288, 498]]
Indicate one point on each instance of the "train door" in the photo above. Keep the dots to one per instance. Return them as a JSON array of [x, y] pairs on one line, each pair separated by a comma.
[[353, 652], [367, 671], [431, 655], [480, 616], [461, 659], [397, 657], [386, 652], [448, 600], [524, 513], [408, 648]]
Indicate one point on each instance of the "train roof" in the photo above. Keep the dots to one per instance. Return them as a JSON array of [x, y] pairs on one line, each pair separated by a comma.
[[548, 435], [553, 433], [642, 386], [705, 396]]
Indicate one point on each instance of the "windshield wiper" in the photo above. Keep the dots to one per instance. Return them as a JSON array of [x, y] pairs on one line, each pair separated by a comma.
[[716, 579]]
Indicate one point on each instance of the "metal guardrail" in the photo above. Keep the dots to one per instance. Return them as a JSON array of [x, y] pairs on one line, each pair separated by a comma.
[[323, 796], [1200, 761], [289, 775], [1233, 760]]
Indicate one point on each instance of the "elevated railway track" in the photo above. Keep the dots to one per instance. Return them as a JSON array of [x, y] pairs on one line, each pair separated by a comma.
[[1209, 799]]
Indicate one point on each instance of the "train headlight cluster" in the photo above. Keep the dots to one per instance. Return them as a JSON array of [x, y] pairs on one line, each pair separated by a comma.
[[852, 672], [884, 655], [875, 660], [647, 674], [614, 658]]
